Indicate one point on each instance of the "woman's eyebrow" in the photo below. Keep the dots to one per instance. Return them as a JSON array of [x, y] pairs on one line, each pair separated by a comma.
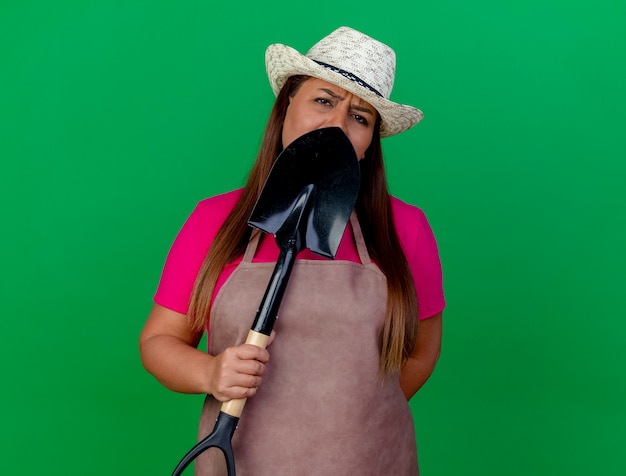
[[364, 109], [338, 97], [332, 94]]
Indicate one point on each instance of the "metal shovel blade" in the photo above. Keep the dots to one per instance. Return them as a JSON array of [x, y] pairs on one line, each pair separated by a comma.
[[321, 169]]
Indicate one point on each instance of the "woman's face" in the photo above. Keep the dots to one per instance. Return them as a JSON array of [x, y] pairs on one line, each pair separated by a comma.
[[320, 104]]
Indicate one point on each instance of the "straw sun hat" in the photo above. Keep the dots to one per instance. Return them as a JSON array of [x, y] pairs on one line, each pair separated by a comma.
[[353, 61]]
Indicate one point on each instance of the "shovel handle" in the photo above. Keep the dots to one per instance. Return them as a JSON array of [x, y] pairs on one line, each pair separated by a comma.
[[234, 407]]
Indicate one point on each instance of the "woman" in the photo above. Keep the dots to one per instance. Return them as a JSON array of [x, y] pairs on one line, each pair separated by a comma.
[[333, 397]]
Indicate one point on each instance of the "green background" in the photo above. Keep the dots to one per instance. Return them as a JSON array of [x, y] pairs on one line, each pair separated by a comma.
[[116, 117]]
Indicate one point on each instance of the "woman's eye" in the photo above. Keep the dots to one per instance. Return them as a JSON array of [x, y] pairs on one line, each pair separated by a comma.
[[360, 119], [323, 101]]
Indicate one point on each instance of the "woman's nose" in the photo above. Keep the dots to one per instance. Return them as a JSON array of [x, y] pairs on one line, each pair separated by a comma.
[[337, 119]]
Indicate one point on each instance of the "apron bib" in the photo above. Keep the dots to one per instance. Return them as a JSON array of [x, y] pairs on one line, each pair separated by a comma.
[[322, 408]]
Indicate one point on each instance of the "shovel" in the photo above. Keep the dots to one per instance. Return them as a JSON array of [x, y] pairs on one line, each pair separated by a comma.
[[306, 202]]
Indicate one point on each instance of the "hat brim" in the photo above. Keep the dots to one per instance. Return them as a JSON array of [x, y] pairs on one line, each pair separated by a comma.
[[282, 61]]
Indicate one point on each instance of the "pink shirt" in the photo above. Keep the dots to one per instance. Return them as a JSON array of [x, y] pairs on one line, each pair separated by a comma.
[[194, 240]]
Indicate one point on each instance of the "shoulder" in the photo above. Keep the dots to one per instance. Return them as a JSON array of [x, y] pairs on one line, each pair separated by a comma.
[[414, 231], [218, 205], [190, 248], [402, 209], [211, 213], [409, 219], [207, 218]]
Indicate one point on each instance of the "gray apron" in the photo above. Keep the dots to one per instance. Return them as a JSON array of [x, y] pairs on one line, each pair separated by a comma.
[[322, 408]]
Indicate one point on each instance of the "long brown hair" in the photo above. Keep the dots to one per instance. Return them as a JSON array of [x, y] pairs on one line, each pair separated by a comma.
[[373, 208]]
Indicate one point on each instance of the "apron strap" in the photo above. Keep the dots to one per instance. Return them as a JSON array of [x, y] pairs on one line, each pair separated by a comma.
[[361, 247], [253, 243]]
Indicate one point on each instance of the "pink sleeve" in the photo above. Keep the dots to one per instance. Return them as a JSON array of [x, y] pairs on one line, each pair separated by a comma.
[[420, 247], [189, 250]]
